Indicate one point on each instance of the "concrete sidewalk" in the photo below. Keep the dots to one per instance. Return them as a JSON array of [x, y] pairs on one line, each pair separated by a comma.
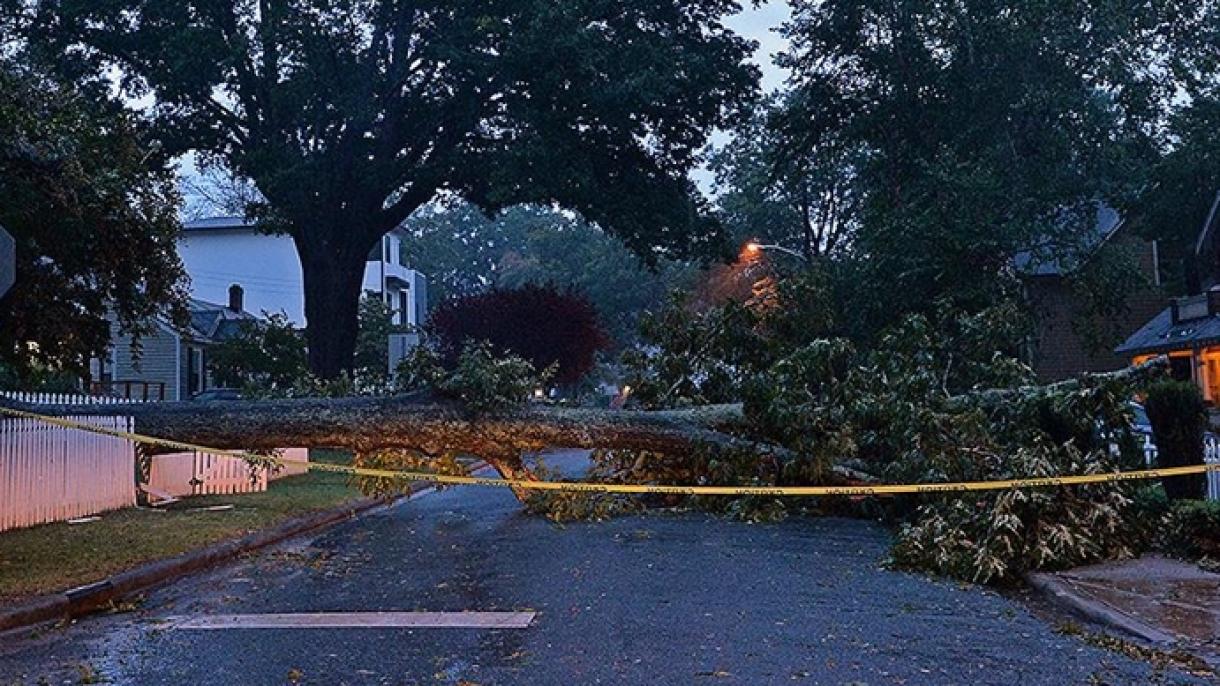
[[1163, 601]]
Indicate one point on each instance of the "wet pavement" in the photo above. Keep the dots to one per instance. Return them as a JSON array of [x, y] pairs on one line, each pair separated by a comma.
[[661, 598], [1172, 597]]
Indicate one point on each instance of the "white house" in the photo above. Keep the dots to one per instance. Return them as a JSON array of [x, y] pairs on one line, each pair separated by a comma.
[[219, 252], [228, 261]]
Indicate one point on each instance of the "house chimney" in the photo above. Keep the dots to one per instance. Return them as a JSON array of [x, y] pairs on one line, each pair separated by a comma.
[[1213, 300], [235, 298]]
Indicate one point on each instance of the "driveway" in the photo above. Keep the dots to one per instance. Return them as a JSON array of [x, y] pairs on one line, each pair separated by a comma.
[[662, 598]]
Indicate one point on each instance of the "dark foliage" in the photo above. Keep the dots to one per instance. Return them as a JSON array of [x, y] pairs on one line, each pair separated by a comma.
[[1179, 419], [1192, 529], [348, 115], [94, 216], [541, 324]]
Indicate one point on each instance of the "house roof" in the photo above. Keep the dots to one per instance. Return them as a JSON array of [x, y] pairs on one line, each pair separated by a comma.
[[211, 322], [219, 223], [1161, 334], [1106, 224], [232, 222]]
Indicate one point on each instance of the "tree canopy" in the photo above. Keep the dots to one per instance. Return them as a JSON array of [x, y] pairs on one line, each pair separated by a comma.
[[92, 206], [983, 129], [769, 191], [349, 115], [464, 252]]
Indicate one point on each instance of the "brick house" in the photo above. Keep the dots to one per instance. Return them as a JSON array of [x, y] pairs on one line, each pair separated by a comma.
[[1058, 349]]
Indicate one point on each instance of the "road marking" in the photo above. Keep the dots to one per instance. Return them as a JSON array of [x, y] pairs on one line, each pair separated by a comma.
[[359, 620]]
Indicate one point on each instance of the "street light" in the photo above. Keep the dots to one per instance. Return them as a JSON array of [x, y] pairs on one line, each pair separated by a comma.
[[753, 249]]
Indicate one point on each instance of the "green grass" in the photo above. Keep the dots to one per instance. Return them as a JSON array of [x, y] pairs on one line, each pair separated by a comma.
[[58, 556]]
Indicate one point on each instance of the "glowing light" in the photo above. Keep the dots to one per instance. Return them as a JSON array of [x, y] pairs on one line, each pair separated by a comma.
[[539, 393], [626, 391]]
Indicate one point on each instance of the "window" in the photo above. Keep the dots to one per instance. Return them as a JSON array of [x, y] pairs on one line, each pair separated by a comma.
[[196, 374], [404, 302]]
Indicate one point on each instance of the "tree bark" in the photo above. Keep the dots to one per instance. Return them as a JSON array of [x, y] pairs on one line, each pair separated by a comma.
[[433, 428], [333, 279]]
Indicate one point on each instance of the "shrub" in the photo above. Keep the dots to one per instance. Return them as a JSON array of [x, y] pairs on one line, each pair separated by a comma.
[[545, 326], [1179, 419], [1192, 529], [479, 379], [265, 357]]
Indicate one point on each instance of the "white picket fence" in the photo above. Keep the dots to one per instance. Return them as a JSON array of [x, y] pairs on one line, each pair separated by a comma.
[[1211, 455], [196, 473], [64, 398], [49, 473]]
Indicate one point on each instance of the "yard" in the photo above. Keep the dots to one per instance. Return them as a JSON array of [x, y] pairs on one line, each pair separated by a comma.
[[54, 557]]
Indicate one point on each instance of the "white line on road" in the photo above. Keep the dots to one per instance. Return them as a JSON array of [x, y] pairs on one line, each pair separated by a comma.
[[359, 620]]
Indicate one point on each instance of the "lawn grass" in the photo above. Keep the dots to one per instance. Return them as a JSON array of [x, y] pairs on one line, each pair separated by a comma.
[[55, 557]]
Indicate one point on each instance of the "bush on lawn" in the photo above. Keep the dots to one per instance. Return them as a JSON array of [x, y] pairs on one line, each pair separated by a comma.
[[479, 379], [542, 324], [1179, 420], [1192, 529]]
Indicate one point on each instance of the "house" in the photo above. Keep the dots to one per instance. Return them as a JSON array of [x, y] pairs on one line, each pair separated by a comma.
[[219, 252], [170, 364], [1060, 347], [1188, 330], [229, 260]]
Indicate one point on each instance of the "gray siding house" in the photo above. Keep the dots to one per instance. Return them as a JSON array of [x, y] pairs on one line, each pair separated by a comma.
[[168, 364]]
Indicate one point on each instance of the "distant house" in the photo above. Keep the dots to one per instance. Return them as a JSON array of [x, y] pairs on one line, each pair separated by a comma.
[[219, 252], [1188, 330], [1057, 349], [228, 260], [168, 364]]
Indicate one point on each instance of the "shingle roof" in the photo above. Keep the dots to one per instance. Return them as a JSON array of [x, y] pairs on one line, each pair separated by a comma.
[[1029, 263], [212, 322], [1162, 335]]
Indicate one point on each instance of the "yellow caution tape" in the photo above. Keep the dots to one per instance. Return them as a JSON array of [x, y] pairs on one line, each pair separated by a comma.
[[880, 489]]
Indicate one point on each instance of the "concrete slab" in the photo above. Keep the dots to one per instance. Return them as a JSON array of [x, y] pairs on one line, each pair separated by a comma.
[[358, 620], [1160, 597]]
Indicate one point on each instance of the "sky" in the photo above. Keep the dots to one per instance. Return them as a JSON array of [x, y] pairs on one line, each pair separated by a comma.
[[759, 24]]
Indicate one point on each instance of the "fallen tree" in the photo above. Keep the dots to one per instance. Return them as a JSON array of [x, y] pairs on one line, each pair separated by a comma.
[[434, 427]]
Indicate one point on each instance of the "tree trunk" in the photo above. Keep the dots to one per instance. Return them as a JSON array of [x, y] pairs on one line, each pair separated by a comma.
[[434, 428], [333, 278]]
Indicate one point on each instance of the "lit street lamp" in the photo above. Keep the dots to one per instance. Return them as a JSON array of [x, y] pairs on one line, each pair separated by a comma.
[[753, 249]]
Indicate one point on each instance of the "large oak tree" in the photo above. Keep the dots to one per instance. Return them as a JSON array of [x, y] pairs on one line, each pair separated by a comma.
[[350, 114]]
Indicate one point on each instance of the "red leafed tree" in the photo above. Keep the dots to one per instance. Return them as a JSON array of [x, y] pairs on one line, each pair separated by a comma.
[[539, 323]]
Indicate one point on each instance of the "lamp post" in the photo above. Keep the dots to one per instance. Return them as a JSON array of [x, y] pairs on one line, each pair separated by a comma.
[[753, 249]]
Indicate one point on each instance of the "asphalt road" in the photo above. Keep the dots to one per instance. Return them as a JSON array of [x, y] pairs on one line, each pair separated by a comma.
[[657, 599]]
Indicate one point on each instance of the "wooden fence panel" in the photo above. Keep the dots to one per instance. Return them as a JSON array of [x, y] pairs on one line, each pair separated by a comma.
[[1211, 455], [49, 473], [185, 474]]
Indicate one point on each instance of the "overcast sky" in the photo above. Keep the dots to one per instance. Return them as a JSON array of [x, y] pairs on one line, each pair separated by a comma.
[[759, 24]]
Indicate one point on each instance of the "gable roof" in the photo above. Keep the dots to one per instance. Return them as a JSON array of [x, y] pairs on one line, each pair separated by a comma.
[[1162, 335], [1106, 223], [212, 323]]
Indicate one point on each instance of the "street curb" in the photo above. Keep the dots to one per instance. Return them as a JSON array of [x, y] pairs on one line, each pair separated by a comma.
[[89, 598], [1094, 611]]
